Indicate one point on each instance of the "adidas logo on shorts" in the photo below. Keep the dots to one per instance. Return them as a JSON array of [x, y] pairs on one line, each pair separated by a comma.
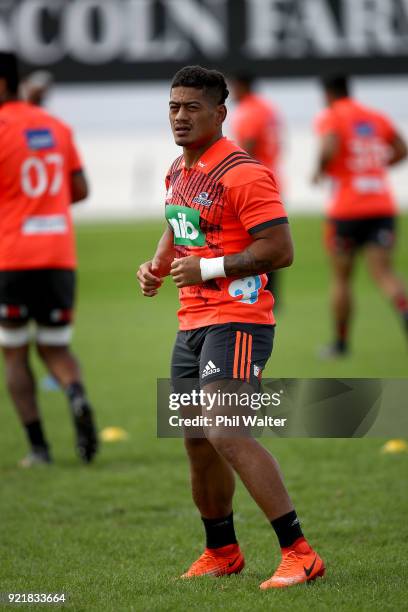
[[210, 368]]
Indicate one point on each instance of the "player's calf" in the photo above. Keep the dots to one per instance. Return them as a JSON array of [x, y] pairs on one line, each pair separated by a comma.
[[64, 366], [83, 418], [14, 340]]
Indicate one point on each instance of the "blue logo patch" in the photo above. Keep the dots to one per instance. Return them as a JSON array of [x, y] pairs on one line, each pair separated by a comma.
[[202, 199], [363, 128], [247, 289], [40, 139]]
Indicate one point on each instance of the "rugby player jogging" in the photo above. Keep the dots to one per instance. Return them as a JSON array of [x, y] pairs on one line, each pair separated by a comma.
[[357, 144], [40, 177], [226, 228]]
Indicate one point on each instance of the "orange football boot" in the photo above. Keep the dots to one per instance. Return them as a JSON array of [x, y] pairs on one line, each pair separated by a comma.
[[300, 563], [217, 562]]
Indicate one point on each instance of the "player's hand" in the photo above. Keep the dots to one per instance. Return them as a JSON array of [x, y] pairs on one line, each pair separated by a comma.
[[186, 271], [149, 281], [161, 266]]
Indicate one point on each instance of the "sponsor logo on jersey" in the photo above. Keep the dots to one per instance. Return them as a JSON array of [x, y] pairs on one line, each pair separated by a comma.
[[210, 368], [45, 224], [246, 289], [185, 223], [38, 140], [364, 128], [202, 199]]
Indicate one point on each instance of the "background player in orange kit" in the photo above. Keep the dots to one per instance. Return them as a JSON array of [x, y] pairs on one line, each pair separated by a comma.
[[226, 228], [40, 176], [357, 144], [257, 128], [36, 87]]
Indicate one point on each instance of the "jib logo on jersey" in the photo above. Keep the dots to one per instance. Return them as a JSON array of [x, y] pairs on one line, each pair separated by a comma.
[[185, 223]]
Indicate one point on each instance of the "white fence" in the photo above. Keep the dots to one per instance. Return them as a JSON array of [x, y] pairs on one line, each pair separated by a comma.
[[127, 146]]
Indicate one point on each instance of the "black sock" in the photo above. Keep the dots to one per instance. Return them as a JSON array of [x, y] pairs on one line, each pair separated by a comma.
[[35, 434], [220, 531], [287, 528], [341, 346], [342, 332], [76, 395], [75, 390]]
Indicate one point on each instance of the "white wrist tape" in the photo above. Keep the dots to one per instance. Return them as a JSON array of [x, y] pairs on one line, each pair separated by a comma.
[[212, 268]]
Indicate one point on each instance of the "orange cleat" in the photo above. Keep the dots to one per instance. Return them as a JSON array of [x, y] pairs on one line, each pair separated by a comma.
[[300, 563], [217, 562]]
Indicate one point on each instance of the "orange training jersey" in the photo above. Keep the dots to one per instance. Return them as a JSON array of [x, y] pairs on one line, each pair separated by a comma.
[[213, 209], [37, 158], [359, 170], [257, 120]]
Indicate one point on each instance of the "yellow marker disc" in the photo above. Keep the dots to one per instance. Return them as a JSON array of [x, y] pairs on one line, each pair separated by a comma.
[[113, 434], [395, 446]]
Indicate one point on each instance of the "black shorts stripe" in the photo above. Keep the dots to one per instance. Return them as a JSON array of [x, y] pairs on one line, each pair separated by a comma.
[[238, 351], [266, 224]]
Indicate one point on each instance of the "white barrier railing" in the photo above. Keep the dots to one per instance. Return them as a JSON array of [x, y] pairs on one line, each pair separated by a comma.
[[127, 171]]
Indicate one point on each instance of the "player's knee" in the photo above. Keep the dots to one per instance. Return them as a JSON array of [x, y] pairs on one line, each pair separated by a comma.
[[379, 278], [199, 450], [381, 270], [382, 276], [226, 447]]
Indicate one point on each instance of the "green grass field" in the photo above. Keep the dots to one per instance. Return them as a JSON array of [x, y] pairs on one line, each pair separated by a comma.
[[116, 535]]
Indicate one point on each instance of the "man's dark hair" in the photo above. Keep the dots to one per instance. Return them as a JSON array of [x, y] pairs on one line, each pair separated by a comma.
[[245, 78], [211, 81], [337, 85], [9, 71]]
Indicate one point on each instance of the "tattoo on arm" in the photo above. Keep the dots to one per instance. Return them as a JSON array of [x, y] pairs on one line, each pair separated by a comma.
[[246, 263]]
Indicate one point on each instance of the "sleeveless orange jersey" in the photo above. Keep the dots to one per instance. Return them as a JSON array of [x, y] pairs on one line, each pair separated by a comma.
[[214, 208], [359, 170], [257, 120], [37, 158]]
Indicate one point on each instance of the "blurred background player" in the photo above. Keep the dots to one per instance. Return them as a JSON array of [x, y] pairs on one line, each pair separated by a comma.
[[40, 176], [257, 128], [36, 87], [357, 144]]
